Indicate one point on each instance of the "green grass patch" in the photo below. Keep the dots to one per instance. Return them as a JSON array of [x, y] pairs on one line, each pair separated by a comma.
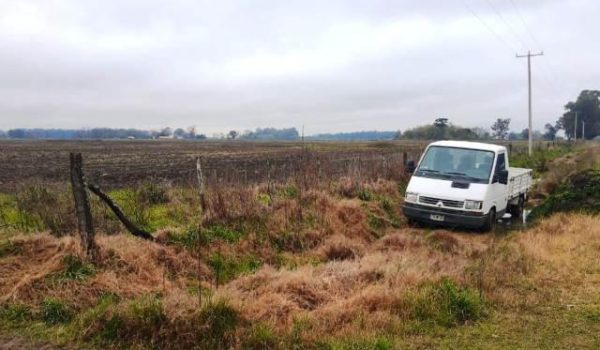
[[446, 304], [379, 343], [228, 268], [54, 311], [16, 312], [540, 159], [365, 195]]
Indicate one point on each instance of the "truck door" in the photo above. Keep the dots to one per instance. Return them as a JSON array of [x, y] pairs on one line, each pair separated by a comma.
[[499, 191]]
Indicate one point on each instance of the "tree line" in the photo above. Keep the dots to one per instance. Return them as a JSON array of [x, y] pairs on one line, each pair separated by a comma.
[[581, 119]]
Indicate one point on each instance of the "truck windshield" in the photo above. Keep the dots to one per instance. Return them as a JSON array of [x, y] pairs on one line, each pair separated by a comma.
[[469, 165]]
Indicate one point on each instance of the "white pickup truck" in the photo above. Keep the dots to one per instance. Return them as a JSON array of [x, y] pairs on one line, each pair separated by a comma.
[[467, 184]]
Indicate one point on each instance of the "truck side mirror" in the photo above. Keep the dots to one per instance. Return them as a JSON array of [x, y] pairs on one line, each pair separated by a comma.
[[410, 166], [503, 177]]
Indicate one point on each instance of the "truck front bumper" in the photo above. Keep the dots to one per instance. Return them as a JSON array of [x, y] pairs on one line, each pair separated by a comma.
[[424, 213]]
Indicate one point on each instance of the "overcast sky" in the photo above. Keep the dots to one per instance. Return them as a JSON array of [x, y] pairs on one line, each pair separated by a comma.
[[330, 65]]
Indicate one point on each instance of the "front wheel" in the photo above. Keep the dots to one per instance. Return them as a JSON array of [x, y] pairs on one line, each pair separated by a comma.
[[490, 221]]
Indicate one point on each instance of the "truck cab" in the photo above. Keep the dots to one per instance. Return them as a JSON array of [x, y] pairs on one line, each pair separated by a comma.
[[467, 184]]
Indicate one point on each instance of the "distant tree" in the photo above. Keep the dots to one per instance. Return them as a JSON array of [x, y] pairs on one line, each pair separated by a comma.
[[500, 128], [232, 135], [482, 134], [272, 134], [440, 128], [514, 136], [398, 135], [550, 132], [525, 134], [179, 133], [200, 137], [432, 132], [16, 133], [191, 132], [166, 132], [3, 134], [587, 107], [357, 135]]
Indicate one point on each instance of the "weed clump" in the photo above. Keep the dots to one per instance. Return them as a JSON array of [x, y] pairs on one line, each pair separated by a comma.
[[16, 312], [54, 311], [218, 322], [446, 304], [75, 269], [39, 207]]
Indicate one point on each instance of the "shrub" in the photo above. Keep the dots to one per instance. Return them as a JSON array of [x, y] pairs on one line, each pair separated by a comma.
[[446, 304], [54, 312]]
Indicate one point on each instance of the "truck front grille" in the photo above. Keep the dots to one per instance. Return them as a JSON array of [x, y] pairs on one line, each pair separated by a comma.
[[445, 202]]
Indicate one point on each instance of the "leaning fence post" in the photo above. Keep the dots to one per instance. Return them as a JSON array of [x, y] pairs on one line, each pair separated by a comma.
[[82, 208]]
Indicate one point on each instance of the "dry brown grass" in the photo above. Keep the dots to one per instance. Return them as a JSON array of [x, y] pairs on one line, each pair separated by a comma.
[[357, 283]]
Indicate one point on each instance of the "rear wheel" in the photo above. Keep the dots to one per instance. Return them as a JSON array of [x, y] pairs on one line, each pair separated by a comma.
[[516, 210], [490, 221]]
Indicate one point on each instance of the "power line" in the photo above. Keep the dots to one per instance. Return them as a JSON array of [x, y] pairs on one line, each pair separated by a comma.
[[490, 29], [510, 28], [525, 24]]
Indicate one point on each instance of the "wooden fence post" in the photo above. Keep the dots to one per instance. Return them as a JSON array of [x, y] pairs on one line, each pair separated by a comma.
[[82, 208]]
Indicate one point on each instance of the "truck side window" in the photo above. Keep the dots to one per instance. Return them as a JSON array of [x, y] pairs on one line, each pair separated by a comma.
[[501, 164]]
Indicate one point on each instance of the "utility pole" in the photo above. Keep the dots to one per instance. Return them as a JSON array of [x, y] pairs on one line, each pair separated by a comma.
[[575, 128], [529, 55], [583, 130]]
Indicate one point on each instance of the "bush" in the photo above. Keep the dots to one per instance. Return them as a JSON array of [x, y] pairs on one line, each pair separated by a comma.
[[446, 304], [579, 193], [54, 312]]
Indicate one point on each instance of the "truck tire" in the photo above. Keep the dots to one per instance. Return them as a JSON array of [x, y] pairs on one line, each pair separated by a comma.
[[516, 210], [490, 221]]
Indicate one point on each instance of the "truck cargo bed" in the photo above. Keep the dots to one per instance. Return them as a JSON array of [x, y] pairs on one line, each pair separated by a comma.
[[519, 181]]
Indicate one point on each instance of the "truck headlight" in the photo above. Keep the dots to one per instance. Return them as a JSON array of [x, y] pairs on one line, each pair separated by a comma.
[[411, 197], [473, 205]]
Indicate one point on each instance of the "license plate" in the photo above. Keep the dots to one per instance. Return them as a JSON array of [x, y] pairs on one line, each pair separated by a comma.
[[437, 217]]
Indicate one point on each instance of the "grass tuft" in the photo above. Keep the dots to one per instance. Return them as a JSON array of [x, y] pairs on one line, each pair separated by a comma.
[[54, 311]]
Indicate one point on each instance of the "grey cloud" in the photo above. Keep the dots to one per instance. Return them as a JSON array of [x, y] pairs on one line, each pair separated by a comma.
[[332, 65]]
